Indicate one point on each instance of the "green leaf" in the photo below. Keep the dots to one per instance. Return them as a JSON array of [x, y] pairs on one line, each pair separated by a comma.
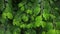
[[38, 18], [24, 18], [29, 25], [22, 8], [30, 31], [57, 25], [7, 12], [16, 22], [43, 32], [16, 31], [46, 13], [29, 4], [20, 4], [52, 16], [23, 26], [8, 32], [56, 8], [36, 10], [51, 32], [46, 16], [29, 11], [8, 8], [9, 15], [32, 18], [38, 21], [2, 5], [57, 31], [1, 30], [49, 26], [4, 15]]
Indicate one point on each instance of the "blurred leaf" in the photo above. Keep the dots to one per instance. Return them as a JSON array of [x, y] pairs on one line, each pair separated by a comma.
[[23, 26], [30, 31], [16, 31], [20, 4], [4, 15], [38, 20], [56, 8], [52, 16], [9, 15], [49, 26], [28, 11], [22, 8], [29, 25], [57, 25], [36, 10], [8, 32], [43, 32], [51, 31], [25, 18], [46, 16], [16, 22]]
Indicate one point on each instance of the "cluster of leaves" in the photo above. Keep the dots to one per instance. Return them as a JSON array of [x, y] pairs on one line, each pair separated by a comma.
[[28, 14], [29, 17]]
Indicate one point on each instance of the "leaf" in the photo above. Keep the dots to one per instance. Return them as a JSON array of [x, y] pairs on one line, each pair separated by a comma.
[[36, 10], [8, 32], [57, 25], [1, 5], [22, 8], [30, 31], [16, 31], [16, 22], [43, 32], [29, 4], [7, 12], [4, 15], [52, 16], [25, 18], [57, 31], [51, 32], [3, 20], [20, 4], [29, 25], [9, 15], [8, 8], [32, 18], [1, 30], [38, 20], [23, 26], [29, 11], [49, 26], [56, 8], [46, 16]]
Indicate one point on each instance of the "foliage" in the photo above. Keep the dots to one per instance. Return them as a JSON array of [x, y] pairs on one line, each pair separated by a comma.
[[29, 17]]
